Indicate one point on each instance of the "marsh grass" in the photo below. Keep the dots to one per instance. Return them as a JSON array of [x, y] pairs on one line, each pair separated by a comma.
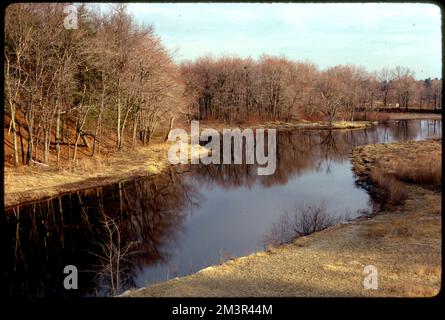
[[424, 171], [387, 190]]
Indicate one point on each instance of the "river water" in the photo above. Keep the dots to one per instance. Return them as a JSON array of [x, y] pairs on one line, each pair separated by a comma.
[[178, 223]]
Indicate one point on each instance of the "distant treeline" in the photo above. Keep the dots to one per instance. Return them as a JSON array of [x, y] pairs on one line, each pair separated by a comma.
[[231, 88], [112, 76]]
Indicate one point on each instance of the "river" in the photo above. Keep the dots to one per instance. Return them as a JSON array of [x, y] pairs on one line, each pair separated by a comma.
[[177, 223]]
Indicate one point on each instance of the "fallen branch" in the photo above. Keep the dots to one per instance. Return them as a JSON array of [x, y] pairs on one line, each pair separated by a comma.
[[39, 163]]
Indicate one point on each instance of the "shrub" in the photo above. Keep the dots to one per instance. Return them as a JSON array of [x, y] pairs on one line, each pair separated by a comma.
[[304, 221]]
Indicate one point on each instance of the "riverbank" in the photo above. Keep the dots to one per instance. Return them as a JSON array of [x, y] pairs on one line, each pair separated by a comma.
[[390, 116], [321, 125], [373, 119], [37, 182], [32, 183], [404, 244], [301, 124]]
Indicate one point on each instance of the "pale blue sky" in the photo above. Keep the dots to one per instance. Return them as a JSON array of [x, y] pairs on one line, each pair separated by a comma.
[[371, 35]]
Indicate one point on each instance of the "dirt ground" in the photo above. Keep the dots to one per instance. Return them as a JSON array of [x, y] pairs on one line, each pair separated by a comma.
[[404, 245]]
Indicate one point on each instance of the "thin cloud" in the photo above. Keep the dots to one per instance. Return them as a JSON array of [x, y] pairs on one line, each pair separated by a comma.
[[368, 34]]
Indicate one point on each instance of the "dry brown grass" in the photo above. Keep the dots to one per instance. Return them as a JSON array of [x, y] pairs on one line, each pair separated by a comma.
[[351, 124], [376, 231], [412, 290], [395, 230], [387, 190], [424, 171], [312, 117]]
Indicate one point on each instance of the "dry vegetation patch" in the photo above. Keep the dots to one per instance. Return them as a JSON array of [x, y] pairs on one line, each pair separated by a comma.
[[425, 171], [417, 162], [387, 189]]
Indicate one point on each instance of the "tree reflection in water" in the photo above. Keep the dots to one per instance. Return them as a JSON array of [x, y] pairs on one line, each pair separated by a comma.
[[39, 239], [299, 151]]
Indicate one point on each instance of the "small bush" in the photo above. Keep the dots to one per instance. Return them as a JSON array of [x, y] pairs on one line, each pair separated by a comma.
[[280, 232], [310, 219], [304, 221]]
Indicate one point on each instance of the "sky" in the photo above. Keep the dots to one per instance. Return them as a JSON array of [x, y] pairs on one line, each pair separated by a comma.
[[365, 34]]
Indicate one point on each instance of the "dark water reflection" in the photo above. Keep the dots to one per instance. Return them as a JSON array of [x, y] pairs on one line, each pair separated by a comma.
[[178, 223]]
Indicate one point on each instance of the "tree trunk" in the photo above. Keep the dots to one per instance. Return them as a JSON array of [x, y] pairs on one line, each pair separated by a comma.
[[21, 145], [76, 143], [118, 117], [57, 135], [170, 128], [46, 142], [30, 143], [14, 137], [123, 127], [68, 136], [135, 126]]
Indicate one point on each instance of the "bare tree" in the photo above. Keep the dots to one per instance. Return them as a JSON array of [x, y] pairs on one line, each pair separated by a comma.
[[385, 76], [113, 257], [331, 93], [405, 85], [57, 77], [113, 79], [437, 93], [18, 36]]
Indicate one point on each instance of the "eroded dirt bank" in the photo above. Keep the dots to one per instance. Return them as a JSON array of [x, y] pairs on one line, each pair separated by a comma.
[[404, 244]]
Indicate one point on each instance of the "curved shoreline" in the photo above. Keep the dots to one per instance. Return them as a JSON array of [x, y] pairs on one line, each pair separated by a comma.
[[27, 184], [37, 184], [330, 262]]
